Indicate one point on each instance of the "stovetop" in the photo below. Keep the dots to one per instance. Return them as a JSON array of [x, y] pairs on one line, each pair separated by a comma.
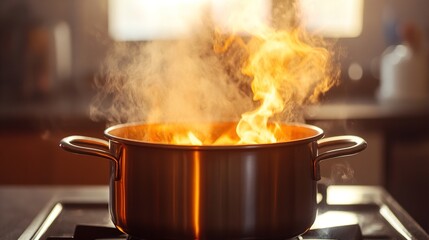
[[347, 212]]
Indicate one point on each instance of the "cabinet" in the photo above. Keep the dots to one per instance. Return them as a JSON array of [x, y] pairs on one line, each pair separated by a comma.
[[31, 154]]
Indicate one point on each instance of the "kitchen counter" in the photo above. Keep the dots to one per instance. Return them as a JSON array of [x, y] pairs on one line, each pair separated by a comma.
[[21, 206], [372, 114]]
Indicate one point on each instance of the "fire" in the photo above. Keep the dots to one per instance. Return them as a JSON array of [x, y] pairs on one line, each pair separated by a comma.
[[282, 66], [285, 70], [189, 139]]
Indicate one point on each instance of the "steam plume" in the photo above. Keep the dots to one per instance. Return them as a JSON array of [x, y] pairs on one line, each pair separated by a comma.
[[168, 81], [200, 78]]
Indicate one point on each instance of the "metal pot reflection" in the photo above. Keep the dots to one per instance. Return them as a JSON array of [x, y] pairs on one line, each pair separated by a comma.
[[165, 191]]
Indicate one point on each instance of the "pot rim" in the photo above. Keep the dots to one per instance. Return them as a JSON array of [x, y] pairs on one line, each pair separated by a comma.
[[318, 135]]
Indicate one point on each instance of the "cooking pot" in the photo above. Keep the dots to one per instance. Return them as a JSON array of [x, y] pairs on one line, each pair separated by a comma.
[[260, 191]]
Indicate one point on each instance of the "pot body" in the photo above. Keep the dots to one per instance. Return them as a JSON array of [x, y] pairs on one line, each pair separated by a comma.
[[164, 191], [256, 193]]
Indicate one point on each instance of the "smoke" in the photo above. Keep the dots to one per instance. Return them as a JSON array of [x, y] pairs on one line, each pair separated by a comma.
[[205, 77], [342, 173], [169, 81]]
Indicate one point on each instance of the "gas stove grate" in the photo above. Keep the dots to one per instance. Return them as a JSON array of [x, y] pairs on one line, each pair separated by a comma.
[[85, 232], [374, 215]]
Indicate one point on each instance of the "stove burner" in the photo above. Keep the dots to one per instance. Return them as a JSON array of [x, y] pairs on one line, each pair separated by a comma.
[[85, 232]]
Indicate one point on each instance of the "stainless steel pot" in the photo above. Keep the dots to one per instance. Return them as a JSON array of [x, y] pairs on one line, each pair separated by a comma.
[[165, 191]]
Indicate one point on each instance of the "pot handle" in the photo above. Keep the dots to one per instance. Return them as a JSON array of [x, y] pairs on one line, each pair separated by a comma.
[[91, 146], [358, 145]]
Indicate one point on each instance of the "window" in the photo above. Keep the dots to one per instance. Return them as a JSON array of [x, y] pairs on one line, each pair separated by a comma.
[[131, 20], [333, 18]]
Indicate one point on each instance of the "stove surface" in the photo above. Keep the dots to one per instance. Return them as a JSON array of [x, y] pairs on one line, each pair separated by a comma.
[[351, 232], [348, 212]]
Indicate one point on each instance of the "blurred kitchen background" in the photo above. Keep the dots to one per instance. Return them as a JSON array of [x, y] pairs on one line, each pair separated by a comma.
[[51, 50]]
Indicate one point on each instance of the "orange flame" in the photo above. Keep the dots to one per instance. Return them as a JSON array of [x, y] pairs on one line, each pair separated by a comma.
[[286, 71], [189, 138]]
